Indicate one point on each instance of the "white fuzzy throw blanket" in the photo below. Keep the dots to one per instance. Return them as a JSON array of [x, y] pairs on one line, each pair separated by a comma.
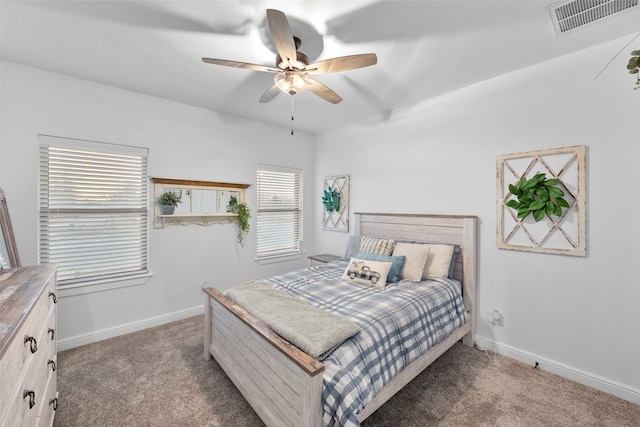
[[315, 331]]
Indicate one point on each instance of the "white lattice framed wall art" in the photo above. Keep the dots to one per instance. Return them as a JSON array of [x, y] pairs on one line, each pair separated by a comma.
[[335, 203], [541, 201]]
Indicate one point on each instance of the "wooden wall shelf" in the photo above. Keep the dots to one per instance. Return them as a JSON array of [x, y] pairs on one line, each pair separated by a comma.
[[203, 202]]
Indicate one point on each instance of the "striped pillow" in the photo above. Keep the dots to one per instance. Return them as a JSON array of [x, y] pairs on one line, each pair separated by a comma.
[[374, 245]]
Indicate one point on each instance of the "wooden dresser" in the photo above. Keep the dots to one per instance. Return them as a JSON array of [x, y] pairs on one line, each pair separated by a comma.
[[28, 394]]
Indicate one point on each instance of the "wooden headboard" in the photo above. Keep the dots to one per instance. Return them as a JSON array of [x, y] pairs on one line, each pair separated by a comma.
[[446, 229]]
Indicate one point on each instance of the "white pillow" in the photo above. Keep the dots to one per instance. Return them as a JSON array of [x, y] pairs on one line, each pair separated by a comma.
[[438, 261], [415, 259], [365, 272]]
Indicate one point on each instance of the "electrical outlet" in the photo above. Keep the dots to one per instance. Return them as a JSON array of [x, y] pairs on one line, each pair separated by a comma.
[[494, 317]]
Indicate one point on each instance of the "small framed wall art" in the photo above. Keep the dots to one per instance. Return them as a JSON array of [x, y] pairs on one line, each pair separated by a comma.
[[335, 203]]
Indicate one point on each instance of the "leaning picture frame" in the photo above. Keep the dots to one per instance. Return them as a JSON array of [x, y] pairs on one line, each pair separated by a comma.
[[8, 250]]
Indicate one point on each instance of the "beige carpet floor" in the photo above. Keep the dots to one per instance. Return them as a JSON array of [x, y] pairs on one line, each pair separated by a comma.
[[158, 377]]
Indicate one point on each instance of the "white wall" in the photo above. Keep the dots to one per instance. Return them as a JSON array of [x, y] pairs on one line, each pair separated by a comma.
[[184, 142], [574, 315], [577, 316]]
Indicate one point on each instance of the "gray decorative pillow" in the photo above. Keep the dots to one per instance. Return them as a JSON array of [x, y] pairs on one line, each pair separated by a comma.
[[353, 246], [374, 245], [454, 258]]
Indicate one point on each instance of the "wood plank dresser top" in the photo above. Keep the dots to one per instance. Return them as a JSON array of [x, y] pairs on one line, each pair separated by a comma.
[[19, 290]]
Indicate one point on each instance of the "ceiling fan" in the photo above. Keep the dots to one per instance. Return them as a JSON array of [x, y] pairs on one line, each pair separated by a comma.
[[292, 67]]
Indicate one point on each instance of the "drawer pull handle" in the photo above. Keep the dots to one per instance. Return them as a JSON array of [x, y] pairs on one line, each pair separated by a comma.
[[32, 343], [54, 402], [53, 365], [55, 300], [32, 397], [52, 332]]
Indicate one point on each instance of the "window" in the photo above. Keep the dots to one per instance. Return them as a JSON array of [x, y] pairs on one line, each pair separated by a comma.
[[93, 202], [279, 211]]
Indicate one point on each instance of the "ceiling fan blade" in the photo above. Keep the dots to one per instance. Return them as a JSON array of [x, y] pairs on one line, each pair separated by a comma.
[[237, 64], [324, 92], [342, 63], [282, 36], [270, 93]]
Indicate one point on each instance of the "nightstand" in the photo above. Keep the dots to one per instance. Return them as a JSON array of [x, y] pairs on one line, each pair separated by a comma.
[[322, 259]]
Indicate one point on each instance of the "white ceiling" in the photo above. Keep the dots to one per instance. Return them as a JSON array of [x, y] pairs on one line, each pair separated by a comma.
[[424, 49]]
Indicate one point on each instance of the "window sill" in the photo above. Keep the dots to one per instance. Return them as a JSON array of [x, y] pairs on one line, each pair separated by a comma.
[[280, 258], [102, 285]]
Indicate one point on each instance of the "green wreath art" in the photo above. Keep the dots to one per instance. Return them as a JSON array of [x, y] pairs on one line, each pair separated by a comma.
[[537, 196], [331, 200]]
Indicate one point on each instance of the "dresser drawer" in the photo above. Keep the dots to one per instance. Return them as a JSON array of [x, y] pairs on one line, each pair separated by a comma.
[[45, 365], [51, 341], [32, 335], [29, 398], [27, 379], [48, 404], [22, 409]]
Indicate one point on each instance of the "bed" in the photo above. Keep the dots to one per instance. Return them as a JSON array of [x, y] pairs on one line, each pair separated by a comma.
[[285, 385]]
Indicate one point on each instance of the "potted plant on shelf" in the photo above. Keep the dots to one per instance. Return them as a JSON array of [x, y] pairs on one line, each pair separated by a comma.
[[244, 214], [168, 202]]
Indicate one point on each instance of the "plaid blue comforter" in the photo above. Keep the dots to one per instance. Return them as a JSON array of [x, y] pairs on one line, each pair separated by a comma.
[[397, 325]]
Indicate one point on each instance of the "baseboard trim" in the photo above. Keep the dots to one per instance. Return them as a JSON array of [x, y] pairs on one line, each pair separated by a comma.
[[127, 328], [615, 388]]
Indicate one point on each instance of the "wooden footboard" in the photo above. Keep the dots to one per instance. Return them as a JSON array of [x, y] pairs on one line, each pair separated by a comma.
[[282, 383], [410, 372]]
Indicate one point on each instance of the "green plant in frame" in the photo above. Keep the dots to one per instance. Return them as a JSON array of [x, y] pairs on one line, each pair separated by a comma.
[[634, 67], [244, 214], [538, 196], [331, 200]]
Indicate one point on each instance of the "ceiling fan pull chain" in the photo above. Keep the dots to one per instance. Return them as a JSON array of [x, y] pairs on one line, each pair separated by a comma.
[[291, 114]]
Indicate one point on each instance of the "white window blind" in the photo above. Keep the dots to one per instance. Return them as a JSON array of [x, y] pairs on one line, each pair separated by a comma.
[[279, 211], [93, 202]]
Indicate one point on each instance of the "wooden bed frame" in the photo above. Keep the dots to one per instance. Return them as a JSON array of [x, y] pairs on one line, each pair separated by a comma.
[[284, 384]]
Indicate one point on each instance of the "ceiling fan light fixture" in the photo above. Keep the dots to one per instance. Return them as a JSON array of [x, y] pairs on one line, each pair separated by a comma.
[[292, 82], [293, 67]]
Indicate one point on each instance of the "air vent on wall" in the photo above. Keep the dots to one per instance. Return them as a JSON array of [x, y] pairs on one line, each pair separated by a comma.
[[568, 16]]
